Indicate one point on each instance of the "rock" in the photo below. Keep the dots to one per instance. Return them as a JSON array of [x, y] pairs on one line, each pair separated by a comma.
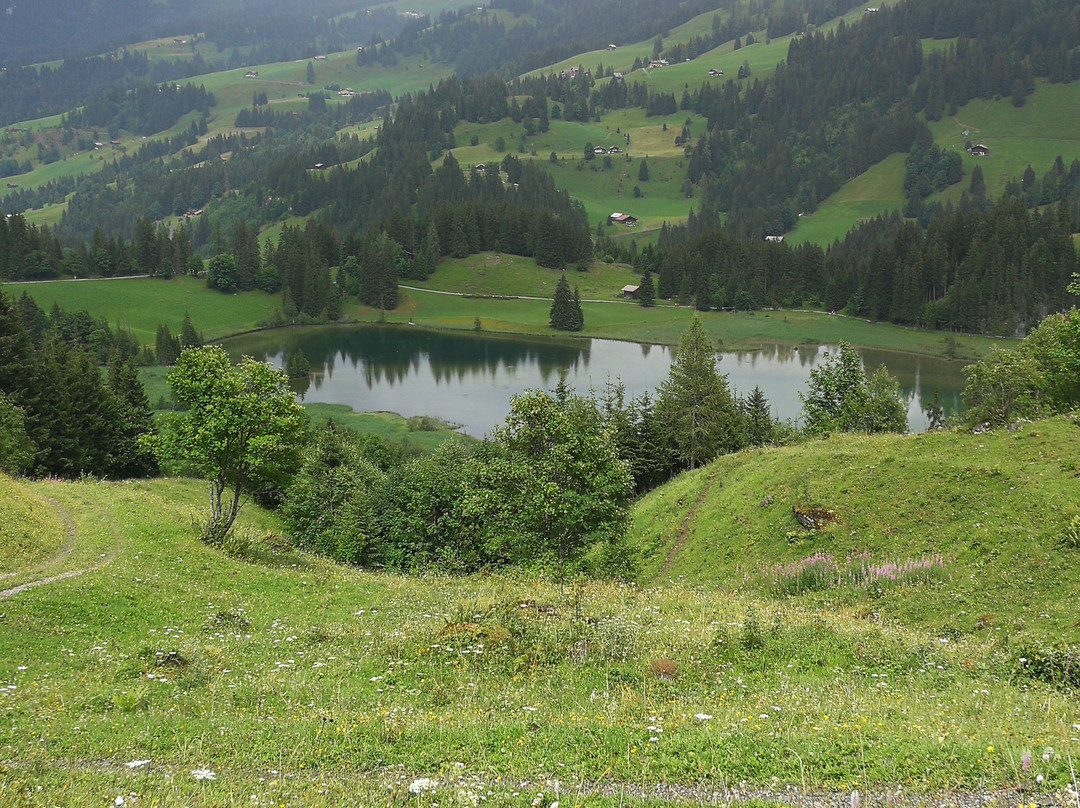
[[136, 765], [765, 503]]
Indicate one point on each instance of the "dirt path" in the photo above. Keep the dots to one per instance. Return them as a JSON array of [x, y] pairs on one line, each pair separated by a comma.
[[689, 520], [70, 540]]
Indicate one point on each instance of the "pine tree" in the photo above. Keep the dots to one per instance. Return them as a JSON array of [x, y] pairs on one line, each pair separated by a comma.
[[760, 426], [646, 291], [166, 346], [135, 420], [643, 171], [189, 337], [562, 315], [695, 408], [578, 316]]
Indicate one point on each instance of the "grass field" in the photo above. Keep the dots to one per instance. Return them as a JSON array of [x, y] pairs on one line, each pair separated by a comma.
[[877, 191], [143, 303], [1006, 577], [170, 673]]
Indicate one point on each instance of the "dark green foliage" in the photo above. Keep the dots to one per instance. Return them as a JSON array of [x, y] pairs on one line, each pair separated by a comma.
[[329, 505], [16, 448], [760, 424], [166, 347], [297, 365], [647, 290], [840, 397], [643, 171], [930, 170], [566, 314], [221, 273], [189, 337], [1041, 376], [135, 420], [547, 488], [697, 413]]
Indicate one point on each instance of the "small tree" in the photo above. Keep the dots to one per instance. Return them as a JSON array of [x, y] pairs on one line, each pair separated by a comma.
[[566, 312], [241, 430], [695, 408], [647, 290], [643, 171], [221, 273], [189, 337], [840, 397]]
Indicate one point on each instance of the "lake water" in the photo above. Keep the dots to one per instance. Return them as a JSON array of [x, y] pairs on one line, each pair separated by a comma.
[[468, 378]]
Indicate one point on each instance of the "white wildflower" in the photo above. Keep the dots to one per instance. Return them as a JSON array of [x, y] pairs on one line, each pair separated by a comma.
[[422, 784]]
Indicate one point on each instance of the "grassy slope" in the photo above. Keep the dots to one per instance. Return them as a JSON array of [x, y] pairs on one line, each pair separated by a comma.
[[143, 303], [995, 505], [296, 680], [1046, 126]]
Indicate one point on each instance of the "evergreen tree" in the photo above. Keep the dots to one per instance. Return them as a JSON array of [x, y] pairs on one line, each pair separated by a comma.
[[578, 320], [647, 291], [562, 316], [135, 420], [695, 407], [297, 365], [760, 426], [189, 338], [643, 171], [166, 346]]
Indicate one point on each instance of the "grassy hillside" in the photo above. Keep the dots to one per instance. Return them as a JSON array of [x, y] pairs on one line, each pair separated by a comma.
[[997, 507], [1034, 134], [170, 673]]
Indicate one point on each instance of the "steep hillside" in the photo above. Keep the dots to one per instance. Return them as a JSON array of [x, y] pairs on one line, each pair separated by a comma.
[[996, 507]]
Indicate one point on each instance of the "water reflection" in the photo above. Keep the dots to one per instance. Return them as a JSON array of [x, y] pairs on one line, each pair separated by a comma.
[[468, 378]]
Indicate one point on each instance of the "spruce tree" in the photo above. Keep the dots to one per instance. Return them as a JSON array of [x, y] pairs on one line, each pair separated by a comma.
[[189, 337], [696, 410], [562, 314], [647, 291], [759, 420], [578, 316]]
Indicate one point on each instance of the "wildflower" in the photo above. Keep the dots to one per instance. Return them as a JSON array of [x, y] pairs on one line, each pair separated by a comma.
[[203, 774], [703, 716], [422, 784], [854, 799], [1025, 761]]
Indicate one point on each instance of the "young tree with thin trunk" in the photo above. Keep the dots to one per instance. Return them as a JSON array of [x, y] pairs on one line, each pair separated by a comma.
[[241, 430]]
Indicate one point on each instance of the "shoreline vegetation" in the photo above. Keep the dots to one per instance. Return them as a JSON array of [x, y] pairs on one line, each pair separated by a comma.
[[141, 304]]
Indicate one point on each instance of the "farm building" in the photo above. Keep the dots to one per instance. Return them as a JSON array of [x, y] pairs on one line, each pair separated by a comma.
[[979, 150], [622, 218], [630, 292], [774, 239]]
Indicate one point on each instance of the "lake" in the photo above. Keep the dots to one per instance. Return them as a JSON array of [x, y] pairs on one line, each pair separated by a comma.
[[468, 378]]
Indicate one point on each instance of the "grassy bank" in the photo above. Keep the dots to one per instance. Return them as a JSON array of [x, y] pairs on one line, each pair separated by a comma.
[[997, 507], [294, 681], [143, 303]]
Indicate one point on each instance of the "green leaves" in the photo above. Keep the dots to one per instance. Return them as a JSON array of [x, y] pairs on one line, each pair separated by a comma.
[[241, 430], [841, 398]]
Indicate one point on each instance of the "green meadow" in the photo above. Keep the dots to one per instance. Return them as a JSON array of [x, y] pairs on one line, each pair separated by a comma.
[[141, 304], [1035, 134], [140, 666]]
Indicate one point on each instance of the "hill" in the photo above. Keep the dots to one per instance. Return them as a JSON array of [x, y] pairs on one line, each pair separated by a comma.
[[996, 507], [152, 669]]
